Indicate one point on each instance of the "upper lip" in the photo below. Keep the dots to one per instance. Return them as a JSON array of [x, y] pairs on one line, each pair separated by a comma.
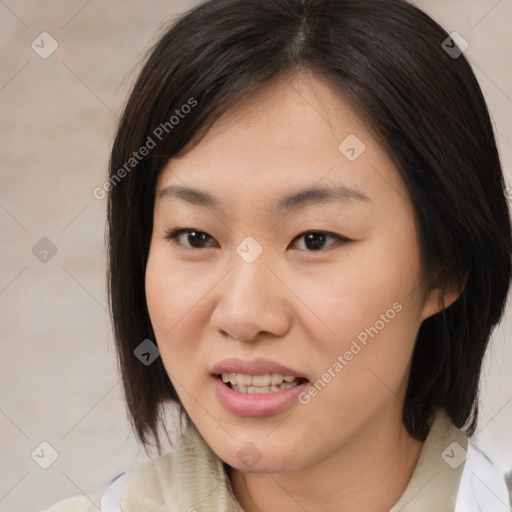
[[253, 367]]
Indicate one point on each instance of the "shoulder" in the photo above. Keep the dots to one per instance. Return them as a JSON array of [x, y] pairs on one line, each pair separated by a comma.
[[141, 481], [81, 503], [190, 477], [484, 486], [108, 497], [182, 479], [104, 499], [508, 479]]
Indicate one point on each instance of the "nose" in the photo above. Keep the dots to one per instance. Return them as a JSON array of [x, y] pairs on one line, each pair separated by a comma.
[[252, 302]]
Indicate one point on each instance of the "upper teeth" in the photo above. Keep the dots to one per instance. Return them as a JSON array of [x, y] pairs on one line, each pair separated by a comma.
[[268, 379]]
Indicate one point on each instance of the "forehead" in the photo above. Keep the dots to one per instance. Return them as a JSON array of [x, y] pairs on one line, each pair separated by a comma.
[[291, 134]]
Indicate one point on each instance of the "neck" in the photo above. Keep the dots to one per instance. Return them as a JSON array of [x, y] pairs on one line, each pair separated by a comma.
[[369, 473]]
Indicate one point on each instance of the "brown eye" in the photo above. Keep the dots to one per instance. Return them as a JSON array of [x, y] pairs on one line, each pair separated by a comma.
[[190, 237], [317, 240]]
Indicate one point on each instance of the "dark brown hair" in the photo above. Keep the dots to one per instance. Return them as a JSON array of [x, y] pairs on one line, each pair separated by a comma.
[[423, 103]]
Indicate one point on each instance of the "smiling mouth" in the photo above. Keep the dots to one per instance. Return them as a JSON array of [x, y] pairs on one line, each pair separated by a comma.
[[259, 384]]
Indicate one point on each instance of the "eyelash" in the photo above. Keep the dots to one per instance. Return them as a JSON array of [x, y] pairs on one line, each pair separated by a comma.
[[173, 236]]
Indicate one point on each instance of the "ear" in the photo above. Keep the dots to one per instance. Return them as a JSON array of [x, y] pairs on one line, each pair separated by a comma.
[[440, 298]]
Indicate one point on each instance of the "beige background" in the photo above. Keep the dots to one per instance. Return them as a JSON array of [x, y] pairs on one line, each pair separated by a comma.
[[59, 381]]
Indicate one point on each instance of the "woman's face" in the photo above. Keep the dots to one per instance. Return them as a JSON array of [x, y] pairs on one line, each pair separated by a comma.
[[304, 262]]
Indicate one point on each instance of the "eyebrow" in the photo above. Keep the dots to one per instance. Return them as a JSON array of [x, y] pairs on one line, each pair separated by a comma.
[[299, 199]]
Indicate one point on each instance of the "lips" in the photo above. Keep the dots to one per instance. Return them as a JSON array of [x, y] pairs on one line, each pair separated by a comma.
[[256, 400], [257, 386], [254, 367]]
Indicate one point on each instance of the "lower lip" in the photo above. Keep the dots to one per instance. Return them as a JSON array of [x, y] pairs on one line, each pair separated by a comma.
[[260, 404]]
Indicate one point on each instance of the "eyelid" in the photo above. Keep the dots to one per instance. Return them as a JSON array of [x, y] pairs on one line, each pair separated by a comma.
[[175, 233], [337, 239]]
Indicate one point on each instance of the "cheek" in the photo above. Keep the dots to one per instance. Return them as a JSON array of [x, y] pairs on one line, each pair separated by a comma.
[[161, 303], [365, 336], [368, 314], [363, 365], [372, 291], [173, 301]]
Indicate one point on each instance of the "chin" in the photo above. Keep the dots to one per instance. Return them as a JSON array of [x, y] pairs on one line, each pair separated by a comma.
[[264, 465], [248, 458]]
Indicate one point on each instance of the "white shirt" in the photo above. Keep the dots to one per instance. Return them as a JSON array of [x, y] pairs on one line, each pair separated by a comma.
[[451, 475]]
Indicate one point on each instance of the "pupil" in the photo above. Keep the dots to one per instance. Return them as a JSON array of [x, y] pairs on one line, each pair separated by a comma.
[[196, 237], [315, 241]]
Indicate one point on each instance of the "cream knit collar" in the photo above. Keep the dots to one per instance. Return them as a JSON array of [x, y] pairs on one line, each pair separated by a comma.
[[193, 479]]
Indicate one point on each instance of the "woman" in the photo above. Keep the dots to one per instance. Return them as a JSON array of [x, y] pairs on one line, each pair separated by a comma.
[[309, 247]]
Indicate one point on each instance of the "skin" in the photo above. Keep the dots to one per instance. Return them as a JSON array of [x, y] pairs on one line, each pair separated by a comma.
[[347, 449]]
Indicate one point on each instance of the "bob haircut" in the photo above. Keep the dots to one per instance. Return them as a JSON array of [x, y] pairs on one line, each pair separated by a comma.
[[423, 104]]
